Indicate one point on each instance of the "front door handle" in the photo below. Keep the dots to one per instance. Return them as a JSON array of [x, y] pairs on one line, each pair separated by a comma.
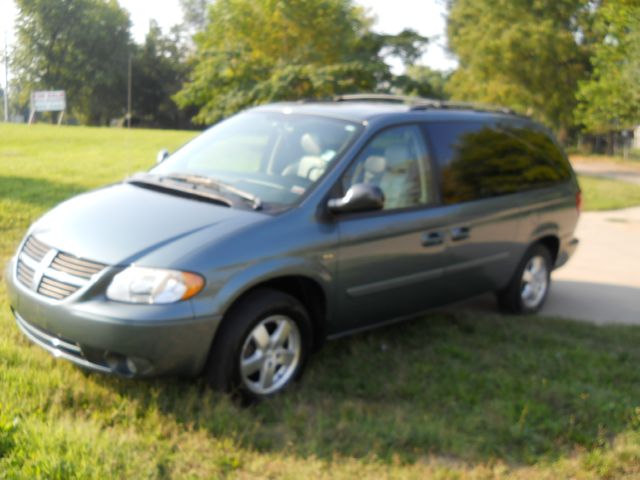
[[460, 233], [432, 238]]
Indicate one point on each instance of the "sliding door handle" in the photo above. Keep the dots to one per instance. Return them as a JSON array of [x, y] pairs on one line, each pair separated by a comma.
[[460, 233], [432, 238]]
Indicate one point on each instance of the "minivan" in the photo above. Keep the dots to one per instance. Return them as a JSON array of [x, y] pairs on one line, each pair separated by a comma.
[[288, 224]]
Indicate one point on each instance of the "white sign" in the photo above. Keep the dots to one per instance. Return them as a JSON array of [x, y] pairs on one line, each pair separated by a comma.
[[48, 101]]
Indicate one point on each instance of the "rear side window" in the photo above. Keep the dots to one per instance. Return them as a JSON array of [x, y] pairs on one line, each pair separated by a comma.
[[481, 159]]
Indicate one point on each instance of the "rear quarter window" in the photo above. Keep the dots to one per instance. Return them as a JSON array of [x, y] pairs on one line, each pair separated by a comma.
[[486, 159]]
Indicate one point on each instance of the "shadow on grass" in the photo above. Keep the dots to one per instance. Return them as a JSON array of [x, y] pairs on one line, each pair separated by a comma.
[[36, 191], [472, 387]]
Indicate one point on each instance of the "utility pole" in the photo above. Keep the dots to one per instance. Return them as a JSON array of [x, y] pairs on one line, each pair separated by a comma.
[[129, 97], [6, 79]]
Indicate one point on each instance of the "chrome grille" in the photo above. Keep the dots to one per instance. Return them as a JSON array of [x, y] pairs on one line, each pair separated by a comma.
[[35, 249], [64, 262], [25, 274], [52, 273], [52, 288]]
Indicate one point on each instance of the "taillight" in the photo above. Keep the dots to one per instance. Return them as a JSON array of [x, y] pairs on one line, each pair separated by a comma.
[[579, 201]]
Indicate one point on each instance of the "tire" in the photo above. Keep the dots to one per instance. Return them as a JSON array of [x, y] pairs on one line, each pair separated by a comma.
[[261, 347], [528, 289]]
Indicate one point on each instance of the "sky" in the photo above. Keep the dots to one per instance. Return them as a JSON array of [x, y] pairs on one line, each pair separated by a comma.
[[392, 16]]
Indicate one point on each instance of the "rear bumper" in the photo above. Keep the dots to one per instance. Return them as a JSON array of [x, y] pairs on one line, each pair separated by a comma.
[[567, 249], [110, 337]]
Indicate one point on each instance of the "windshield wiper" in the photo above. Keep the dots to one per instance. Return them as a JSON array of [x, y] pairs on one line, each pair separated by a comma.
[[195, 179], [157, 182]]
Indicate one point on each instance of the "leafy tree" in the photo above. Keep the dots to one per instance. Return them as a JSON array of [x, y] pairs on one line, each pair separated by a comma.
[[81, 46], [423, 81], [610, 99], [256, 51], [529, 55], [158, 73], [195, 14], [408, 46]]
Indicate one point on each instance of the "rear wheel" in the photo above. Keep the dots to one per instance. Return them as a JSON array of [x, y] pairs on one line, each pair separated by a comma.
[[262, 345], [529, 287]]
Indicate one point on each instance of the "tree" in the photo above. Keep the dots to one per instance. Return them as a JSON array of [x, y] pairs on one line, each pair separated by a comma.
[[526, 55], [610, 99], [257, 51], [158, 73], [408, 46], [195, 14], [423, 81], [81, 46]]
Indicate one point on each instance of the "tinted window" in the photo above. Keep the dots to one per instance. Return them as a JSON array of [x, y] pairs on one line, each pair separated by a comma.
[[479, 160], [396, 161]]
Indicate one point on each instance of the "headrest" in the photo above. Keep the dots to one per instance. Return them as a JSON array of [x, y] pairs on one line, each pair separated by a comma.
[[375, 164], [310, 143], [396, 155]]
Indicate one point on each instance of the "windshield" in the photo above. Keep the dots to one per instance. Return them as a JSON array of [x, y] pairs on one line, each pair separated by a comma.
[[275, 157]]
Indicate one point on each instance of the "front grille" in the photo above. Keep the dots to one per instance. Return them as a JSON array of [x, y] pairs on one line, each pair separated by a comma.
[[52, 288], [72, 265], [25, 274], [35, 249], [52, 273]]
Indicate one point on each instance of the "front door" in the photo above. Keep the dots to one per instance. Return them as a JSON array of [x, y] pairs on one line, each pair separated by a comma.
[[390, 261]]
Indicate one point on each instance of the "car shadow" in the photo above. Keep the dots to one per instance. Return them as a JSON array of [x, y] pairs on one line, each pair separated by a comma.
[[36, 191], [467, 386], [599, 303]]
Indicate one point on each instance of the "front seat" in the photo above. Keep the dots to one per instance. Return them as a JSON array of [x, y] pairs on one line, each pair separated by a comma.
[[400, 180], [311, 165]]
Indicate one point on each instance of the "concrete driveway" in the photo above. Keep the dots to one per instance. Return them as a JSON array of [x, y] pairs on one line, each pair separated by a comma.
[[613, 172], [601, 282]]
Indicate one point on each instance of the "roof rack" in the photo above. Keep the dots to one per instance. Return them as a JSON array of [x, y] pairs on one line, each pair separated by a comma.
[[420, 103], [377, 97], [477, 107]]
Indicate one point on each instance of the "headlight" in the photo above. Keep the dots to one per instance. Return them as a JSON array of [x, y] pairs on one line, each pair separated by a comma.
[[153, 285]]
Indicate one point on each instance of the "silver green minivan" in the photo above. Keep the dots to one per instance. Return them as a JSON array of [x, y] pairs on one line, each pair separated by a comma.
[[291, 223]]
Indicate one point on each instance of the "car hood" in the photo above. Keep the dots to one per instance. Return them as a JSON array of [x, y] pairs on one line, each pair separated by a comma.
[[121, 223]]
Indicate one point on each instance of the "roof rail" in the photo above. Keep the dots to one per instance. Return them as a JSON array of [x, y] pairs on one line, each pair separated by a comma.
[[420, 103], [453, 105], [378, 97]]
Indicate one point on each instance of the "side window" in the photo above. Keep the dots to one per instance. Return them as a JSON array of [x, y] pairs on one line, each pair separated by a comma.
[[396, 161], [481, 160], [461, 149], [545, 164]]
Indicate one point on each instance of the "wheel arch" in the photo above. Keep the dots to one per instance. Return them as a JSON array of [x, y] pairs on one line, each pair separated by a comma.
[[308, 291], [551, 243]]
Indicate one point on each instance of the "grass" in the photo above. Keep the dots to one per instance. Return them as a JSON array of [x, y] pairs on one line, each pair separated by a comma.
[[631, 163], [452, 395], [606, 194]]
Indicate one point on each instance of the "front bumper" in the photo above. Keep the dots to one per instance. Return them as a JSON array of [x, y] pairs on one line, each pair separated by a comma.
[[111, 337]]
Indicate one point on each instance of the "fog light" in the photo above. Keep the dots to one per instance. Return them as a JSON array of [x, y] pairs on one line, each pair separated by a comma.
[[127, 366]]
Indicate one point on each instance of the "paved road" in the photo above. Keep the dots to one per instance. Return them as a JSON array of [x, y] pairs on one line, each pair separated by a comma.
[[613, 171], [601, 282]]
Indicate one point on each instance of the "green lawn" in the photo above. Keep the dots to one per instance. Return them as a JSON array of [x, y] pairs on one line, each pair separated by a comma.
[[606, 194], [450, 396]]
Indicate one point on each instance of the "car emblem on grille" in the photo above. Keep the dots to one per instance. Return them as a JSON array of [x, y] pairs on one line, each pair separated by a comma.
[[51, 272], [42, 267]]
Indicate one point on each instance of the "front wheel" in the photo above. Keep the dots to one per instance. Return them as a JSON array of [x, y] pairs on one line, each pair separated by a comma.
[[529, 287], [262, 345]]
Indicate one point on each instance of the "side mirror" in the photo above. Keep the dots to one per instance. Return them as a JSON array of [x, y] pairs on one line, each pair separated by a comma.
[[162, 155], [361, 197]]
